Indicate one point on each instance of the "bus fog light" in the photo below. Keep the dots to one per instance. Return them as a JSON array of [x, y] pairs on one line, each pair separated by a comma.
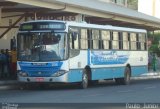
[[59, 73]]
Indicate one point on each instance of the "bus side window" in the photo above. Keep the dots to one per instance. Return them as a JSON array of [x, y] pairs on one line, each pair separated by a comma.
[[120, 40], [84, 39], [133, 40], [145, 44], [125, 39], [74, 40], [95, 39], [106, 37], [115, 41], [142, 41], [89, 34], [138, 42]]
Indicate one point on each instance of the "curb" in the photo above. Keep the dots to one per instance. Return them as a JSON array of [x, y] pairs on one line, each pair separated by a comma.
[[7, 87], [8, 84], [145, 77]]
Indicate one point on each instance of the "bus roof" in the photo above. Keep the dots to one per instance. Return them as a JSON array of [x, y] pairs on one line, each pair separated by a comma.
[[107, 27], [94, 26]]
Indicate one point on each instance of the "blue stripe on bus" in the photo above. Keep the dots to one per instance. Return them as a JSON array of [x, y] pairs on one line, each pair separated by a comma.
[[40, 69], [75, 75], [106, 73], [116, 72], [138, 70]]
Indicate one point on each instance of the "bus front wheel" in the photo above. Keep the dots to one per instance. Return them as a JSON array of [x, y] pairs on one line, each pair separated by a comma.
[[84, 82], [127, 76]]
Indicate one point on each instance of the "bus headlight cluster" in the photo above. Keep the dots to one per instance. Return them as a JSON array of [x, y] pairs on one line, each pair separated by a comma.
[[59, 73], [21, 73]]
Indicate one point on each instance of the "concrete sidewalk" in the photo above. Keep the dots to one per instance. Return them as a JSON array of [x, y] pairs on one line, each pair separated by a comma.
[[148, 75], [8, 82]]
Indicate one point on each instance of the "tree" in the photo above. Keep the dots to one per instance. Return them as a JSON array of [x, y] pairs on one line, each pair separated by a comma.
[[155, 43]]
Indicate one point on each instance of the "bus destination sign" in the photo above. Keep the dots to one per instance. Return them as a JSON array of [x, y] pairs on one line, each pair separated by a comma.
[[50, 26], [27, 27]]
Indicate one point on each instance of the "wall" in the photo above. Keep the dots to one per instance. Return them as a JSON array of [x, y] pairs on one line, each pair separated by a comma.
[[5, 40], [149, 7], [157, 8]]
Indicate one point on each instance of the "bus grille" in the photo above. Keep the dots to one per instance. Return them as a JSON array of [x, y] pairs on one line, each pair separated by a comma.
[[40, 71]]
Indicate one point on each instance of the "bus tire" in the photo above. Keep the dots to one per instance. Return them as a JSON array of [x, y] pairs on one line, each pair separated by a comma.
[[126, 79], [84, 82], [127, 76]]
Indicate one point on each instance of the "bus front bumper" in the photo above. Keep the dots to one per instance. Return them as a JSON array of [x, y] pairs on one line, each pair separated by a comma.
[[62, 78]]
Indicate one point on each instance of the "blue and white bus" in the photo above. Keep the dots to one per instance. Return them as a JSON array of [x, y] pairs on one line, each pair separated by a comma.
[[50, 51]]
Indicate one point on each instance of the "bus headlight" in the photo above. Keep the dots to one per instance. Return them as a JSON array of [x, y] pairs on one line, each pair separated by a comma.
[[21, 73], [59, 73]]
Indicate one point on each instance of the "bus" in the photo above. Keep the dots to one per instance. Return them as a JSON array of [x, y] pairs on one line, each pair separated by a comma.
[[52, 51]]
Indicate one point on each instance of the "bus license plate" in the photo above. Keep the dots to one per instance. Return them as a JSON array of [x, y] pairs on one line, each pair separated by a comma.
[[39, 79]]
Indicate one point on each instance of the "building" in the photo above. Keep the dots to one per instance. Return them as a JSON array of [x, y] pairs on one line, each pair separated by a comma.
[[151, 7], [132, 4], [105, 12]]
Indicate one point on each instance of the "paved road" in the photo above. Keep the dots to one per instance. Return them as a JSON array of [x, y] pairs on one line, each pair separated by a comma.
[[140, 91]]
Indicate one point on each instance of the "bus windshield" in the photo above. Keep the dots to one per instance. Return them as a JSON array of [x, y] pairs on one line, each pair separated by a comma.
[[42, 46]]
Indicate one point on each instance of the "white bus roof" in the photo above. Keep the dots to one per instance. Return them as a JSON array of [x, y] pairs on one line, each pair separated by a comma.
[[95, 26]]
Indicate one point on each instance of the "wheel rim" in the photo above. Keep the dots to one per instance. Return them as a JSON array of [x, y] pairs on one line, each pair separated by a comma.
[[85, 80]]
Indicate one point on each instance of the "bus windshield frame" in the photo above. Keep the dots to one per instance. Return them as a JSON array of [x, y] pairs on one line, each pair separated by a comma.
[[42, 46]]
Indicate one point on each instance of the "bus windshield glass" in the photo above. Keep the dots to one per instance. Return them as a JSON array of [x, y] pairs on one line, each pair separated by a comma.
[[42, 46]]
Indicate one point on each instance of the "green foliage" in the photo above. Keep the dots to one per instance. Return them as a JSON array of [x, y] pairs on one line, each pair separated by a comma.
[[154, 48], [155, 43]]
